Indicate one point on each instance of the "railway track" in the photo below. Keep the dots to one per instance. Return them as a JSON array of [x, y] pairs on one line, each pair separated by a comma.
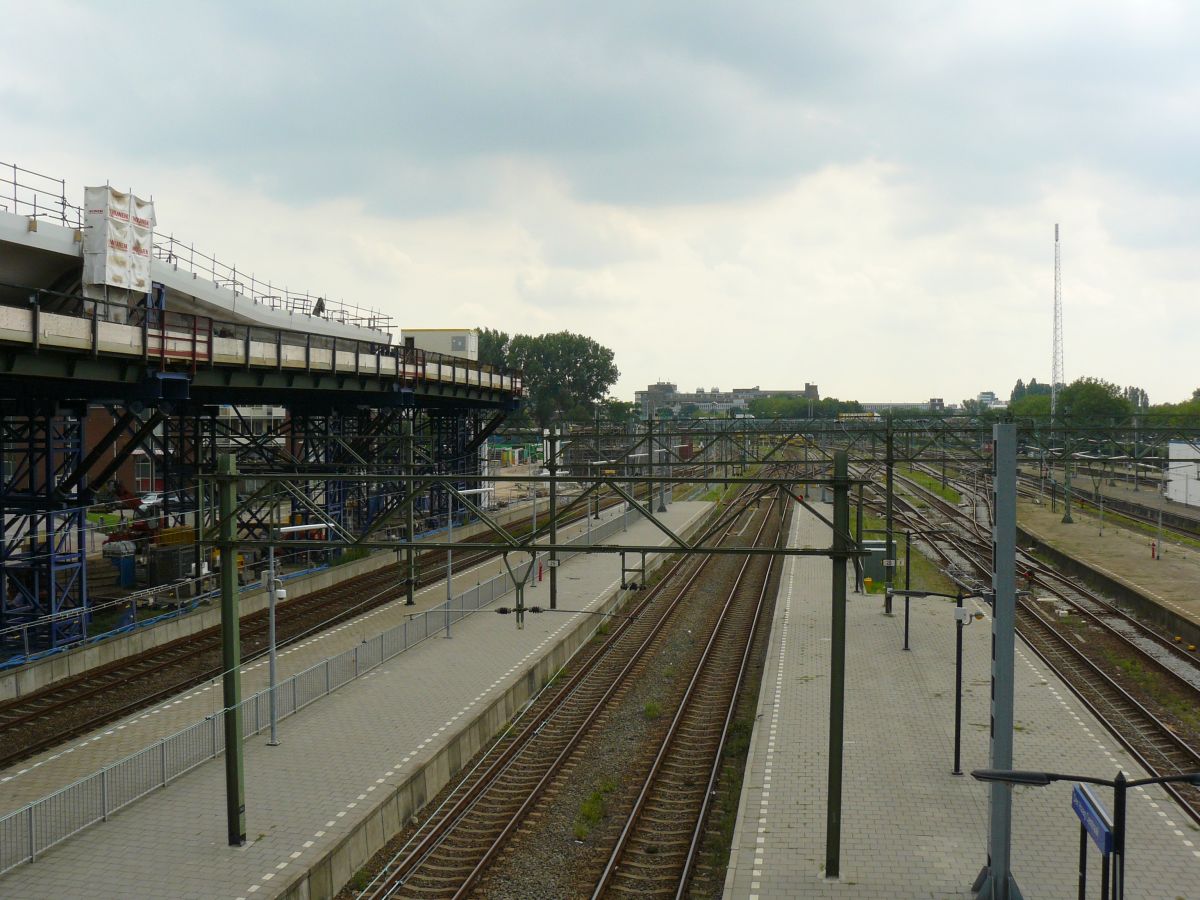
[[493, 808], [1086, 668], [74, 706], [657, 848]]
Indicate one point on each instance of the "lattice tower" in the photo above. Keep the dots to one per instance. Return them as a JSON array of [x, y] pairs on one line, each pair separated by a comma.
[[1056, 365]]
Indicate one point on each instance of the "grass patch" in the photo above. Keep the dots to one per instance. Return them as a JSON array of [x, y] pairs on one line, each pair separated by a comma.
[[104, 518], [737, 746], [652, 709], [593, 810], [1152, 683], [925, 575], [932, 483]]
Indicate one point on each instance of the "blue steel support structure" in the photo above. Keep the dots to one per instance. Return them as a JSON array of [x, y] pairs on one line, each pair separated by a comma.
[[43, 523]]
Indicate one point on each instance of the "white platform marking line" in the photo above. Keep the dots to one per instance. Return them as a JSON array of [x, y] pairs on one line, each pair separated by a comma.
[[764, 793], [1106, 751]]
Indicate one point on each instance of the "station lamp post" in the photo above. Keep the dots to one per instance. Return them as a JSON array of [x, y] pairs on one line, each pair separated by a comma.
[[1120, 786], [962, 618]]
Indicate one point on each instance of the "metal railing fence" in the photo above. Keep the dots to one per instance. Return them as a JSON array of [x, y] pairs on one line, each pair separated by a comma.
[[182, 340], [31, 830]]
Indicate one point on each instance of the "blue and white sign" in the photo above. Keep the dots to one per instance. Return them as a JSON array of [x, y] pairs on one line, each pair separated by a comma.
[[1095, 818]]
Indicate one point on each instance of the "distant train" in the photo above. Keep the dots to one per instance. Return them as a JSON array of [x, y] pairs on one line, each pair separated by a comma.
[[858, 417]]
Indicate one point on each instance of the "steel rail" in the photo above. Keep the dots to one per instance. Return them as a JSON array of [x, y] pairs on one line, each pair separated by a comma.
[[685, 705], [1096, 679], [398, 871], [1048, 573]]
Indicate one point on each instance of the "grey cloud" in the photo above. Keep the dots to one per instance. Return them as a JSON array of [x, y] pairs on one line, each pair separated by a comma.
[[410, 107]]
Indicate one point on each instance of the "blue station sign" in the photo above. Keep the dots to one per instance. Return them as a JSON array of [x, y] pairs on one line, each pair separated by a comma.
[[1095, 818]]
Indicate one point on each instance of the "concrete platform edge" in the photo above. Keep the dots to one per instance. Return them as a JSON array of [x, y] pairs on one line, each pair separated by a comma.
[[760, 719]]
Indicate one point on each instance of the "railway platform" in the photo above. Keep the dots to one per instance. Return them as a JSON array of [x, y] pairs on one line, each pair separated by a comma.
[[909, 827], [1148, 493], [1167, 578], [41, 774], [348, 768]]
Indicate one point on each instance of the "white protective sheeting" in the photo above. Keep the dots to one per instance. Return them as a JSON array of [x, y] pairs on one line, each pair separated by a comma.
[[118, 239]]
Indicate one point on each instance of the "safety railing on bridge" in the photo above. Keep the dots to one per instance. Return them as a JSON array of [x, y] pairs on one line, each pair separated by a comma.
[[183, 255], [40, 196], [43, 197], [33, 829], [178, 341]]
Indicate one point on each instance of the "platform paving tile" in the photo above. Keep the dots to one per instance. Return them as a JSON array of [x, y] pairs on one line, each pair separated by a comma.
[[910, 828], [304, 795], [40, 775]]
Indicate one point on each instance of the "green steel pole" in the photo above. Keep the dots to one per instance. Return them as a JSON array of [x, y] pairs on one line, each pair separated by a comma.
[[410, 557], [1067, 520], [597, 461], [889, 550], [650, 464], [858, 531], [553, 467], [231, 653], [837, 665]]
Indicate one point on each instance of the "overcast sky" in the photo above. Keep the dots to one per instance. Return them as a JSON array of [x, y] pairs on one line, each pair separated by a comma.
[[862, 195]]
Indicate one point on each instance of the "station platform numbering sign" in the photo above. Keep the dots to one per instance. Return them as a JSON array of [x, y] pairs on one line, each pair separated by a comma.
[[1095, 818]]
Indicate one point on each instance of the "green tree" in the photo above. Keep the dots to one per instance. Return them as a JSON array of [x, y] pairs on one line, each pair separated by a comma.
[[493, 347], [618, 412], [1137, 397], [1031, 406], [1092, 399], [565, 374]]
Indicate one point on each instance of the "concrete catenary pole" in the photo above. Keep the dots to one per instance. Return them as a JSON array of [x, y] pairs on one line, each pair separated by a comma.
[[996, 881]]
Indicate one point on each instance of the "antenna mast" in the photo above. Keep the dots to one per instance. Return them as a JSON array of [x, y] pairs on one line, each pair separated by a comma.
[[1056, 366]]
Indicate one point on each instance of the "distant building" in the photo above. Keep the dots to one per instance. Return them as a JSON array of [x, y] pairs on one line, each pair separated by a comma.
[[884, 407], [937, 404], [989, 400], [666, 395]]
